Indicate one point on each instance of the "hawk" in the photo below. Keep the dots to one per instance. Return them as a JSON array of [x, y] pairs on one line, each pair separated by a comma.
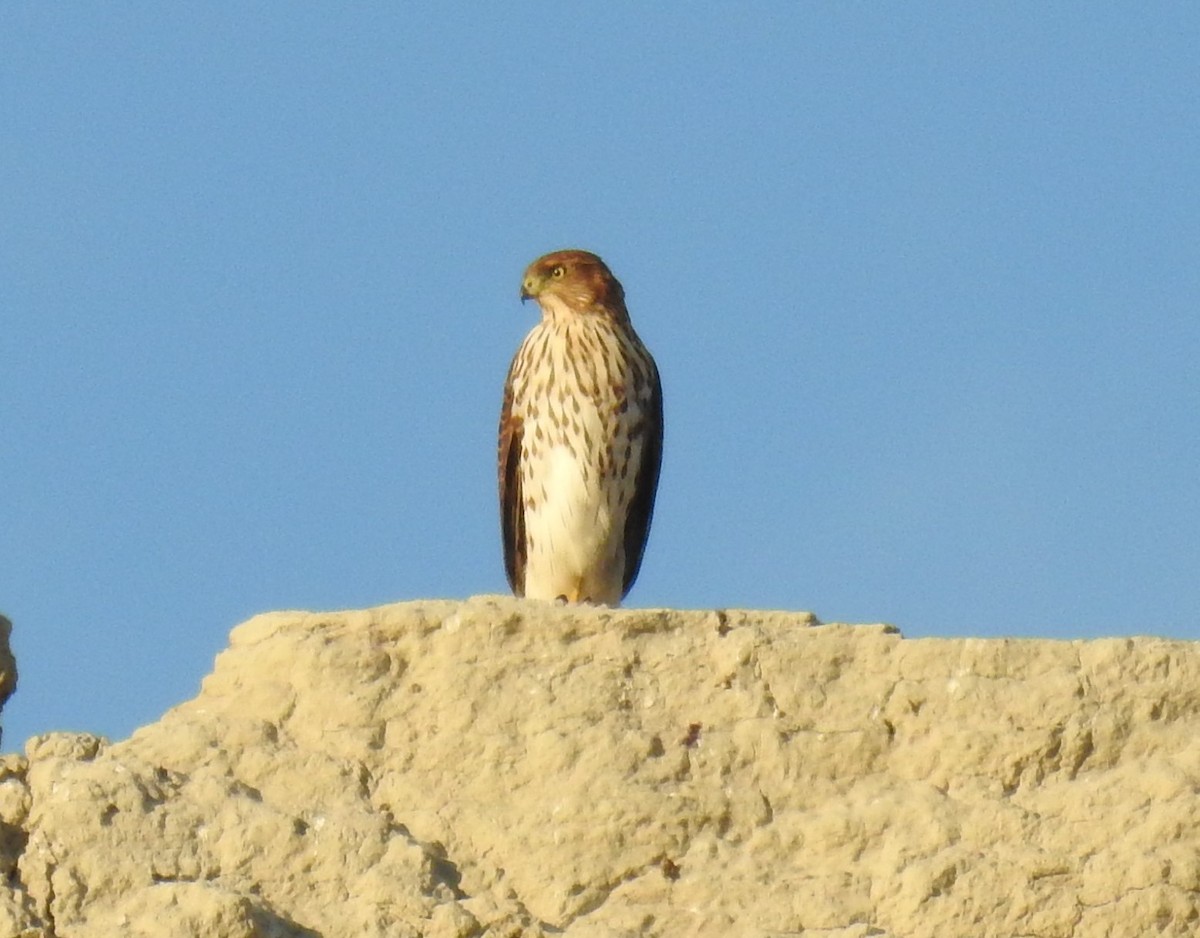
[[580, 439]]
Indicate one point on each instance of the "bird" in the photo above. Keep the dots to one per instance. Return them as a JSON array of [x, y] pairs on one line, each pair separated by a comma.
[[581, 433]]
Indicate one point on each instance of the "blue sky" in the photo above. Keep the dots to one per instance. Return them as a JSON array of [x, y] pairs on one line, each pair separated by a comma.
[[921, 280]]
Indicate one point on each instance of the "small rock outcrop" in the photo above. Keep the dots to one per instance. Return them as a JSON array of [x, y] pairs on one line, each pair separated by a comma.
[[505, 768]]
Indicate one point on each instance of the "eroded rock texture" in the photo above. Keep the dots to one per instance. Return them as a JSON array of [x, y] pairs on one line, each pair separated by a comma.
[[502, 768]]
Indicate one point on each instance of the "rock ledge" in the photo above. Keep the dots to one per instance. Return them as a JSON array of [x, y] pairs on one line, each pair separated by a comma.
[[502, 768]]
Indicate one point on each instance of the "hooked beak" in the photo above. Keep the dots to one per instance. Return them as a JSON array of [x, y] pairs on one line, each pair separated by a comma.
[[531, 287]]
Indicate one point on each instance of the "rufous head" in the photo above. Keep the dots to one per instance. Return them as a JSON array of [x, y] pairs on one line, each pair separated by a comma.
[[573, 282]]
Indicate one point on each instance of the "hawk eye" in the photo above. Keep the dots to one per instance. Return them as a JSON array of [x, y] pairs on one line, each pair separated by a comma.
[[558, 272]]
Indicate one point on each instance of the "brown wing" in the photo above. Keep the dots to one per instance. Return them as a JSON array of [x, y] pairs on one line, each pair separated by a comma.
[[641, 508], [512, 511]]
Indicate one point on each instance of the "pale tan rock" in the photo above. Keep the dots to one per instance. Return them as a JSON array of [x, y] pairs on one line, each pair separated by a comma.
[[501, 768]]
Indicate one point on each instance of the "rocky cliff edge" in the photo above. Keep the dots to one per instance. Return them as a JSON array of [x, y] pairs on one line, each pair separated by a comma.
[[502, 768]]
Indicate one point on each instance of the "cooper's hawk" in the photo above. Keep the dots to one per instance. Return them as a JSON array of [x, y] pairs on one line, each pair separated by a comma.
[[580, 438]]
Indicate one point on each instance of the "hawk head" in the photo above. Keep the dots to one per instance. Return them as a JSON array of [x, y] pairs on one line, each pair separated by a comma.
[[567, 282]]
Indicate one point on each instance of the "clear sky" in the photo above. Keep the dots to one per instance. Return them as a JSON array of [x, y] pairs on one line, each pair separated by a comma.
[[922, 281]]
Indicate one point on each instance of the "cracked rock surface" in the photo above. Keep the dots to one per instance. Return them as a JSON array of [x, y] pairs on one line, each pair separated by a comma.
[[504, 768]]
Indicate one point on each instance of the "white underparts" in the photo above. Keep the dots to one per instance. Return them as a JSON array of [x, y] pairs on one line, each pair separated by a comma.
[[575, 436]]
